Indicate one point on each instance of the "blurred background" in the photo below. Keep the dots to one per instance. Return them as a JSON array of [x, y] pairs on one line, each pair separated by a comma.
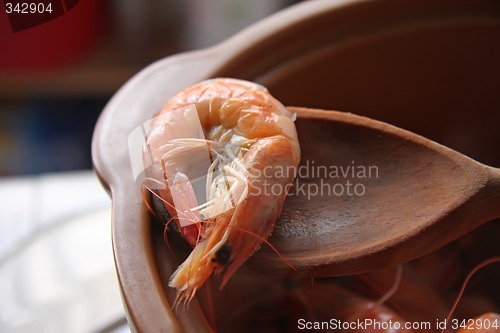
[[56, 266]]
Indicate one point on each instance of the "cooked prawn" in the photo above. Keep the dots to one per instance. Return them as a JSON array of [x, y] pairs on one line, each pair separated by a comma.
[[239, 139]]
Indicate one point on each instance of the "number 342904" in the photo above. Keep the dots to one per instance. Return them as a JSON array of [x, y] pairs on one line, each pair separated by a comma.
[[28, 8]]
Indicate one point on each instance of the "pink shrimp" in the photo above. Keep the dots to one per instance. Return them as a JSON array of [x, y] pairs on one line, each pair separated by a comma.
[[250, 139]]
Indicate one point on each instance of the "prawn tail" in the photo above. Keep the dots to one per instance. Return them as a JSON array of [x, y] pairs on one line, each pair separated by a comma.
[[190, 276]]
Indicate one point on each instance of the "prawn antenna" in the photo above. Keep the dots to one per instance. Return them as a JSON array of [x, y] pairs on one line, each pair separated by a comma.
[[265, 241], [466, 281], [394, 288]]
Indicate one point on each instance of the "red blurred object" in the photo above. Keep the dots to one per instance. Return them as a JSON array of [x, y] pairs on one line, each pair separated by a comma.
[[56, 42]]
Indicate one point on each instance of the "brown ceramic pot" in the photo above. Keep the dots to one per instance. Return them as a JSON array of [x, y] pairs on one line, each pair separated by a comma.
[[429, 67]]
